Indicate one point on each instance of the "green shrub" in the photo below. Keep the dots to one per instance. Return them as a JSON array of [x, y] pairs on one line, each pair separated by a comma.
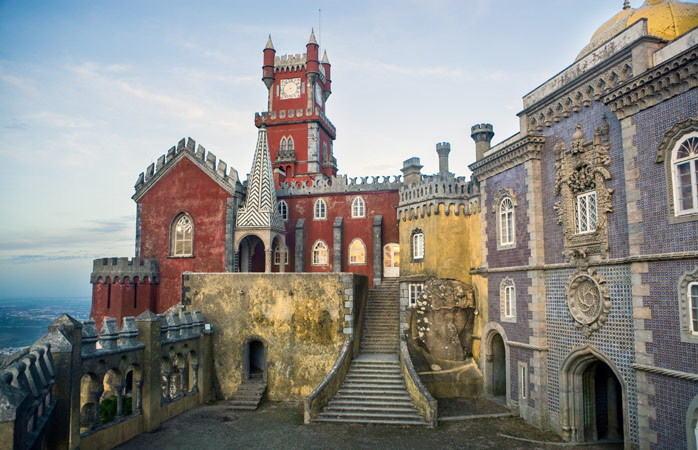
[[107, 408]]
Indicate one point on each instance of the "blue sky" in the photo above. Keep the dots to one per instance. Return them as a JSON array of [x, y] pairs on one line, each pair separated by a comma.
[[94, 91]]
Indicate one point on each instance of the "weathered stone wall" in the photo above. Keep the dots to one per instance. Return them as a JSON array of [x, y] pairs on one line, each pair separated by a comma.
[[303, 320]]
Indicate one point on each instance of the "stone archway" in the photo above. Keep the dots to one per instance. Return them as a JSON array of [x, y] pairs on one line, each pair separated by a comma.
[[495, 362], [593, 398], [254, 249], [254, 359]]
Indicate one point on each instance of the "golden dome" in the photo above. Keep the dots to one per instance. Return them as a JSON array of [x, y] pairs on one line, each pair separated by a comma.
[[666, 19]]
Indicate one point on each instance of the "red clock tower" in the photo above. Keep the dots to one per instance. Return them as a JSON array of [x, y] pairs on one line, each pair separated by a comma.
[[299, 133]]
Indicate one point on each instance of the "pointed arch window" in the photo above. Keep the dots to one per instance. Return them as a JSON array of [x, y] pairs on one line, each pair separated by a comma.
[[277, 256], [283, 147], [182, 236], [357, 252], [282, 207], [320, 254], [358, 208], [320, 210], [290, 144]]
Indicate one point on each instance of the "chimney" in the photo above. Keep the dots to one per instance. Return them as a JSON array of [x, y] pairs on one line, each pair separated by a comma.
[[443, 149], [412, 171], [482, 134]]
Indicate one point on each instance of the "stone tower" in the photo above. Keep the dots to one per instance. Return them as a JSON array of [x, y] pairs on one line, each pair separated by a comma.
[[299, 134]]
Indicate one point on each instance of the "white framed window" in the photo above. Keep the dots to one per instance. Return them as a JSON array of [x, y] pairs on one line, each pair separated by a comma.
[[283, 146], [320, 210], [182, 236], [320, 254], [585, 212], [358, 208], [506, 222], [277, 256], [357, 252], [684, 167], [415, 291], [417, 245], [523, 381], [282, 207], [507, 300], [693, 307]]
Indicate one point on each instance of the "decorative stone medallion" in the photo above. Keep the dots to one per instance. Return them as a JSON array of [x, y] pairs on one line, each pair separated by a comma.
[[588, 300]]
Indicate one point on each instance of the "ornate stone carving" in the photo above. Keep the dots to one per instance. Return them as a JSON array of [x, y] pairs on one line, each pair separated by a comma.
[[588, 300], [445, 315], [581, 169], [518, 152]]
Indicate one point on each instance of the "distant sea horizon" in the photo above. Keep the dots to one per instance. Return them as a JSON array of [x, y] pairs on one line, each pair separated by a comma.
[[23, 320]]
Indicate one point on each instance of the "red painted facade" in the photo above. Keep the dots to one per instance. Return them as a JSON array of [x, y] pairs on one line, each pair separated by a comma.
[[122, 298]]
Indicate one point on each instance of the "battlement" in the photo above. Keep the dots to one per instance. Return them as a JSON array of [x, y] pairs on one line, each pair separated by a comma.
[[269, 118], [441, 189], [124, 268], [442, 146], [289, 63], [339, 184], [481, 131], [188, 145]]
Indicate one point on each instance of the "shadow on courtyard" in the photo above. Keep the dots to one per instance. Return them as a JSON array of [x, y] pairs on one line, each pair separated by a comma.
[[280, 426]]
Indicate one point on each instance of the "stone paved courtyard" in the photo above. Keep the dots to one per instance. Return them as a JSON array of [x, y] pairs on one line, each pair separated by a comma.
[[280, 426]]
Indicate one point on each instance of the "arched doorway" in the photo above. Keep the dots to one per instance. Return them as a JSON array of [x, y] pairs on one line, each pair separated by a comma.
[[592, 398], [255, 360], [391, 260], [498, 373], [251, 254]]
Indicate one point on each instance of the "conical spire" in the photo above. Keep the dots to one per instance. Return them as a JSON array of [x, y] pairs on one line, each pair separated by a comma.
[[259, 210], [269, 45], [312, 40], [324, 57]]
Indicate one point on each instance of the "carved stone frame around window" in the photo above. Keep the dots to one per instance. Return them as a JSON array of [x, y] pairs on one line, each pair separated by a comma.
[[503, 317], [498, 197], [666, 147], [684, 313], [582, 168]]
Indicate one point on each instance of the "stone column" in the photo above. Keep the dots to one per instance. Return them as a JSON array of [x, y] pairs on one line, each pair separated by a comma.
[[282, 262], [119, 402], [300, 246], [337, 245], [97, 396], [149, 329], [183, 381], [139, 396], [195, 367], [168, 386], [377, 250], [267, 260]]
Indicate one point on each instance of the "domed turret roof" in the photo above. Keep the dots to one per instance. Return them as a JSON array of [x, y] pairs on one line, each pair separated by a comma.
[[666, 19]]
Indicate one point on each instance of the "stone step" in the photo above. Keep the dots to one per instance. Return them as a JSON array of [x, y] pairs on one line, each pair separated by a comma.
[[374, 421], [369, 408], [372, 396], [373, 415]]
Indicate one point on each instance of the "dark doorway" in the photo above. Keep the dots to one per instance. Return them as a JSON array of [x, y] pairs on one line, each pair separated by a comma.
[[256, 360], [499, 374], [603, 404], [251, 254]]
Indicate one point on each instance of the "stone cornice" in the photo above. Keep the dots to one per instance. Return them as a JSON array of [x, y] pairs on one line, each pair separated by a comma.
[[656, 85], [526, 148], [665, 372], [537, 348]]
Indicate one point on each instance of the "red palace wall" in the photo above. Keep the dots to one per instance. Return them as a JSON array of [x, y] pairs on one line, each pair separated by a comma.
[[186, 188], [339, 205], [112, 298]]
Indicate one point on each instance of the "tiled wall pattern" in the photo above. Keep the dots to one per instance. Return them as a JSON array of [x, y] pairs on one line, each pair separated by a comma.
[[672, 398], [590, 119], [651, 125], [615, 339], [519, 331]]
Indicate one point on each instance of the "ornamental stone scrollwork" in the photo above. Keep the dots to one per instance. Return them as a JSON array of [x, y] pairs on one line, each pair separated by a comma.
[[585, 201], [588, 300]]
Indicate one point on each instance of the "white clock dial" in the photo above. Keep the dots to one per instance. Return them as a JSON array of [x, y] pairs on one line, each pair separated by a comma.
[[290, 88]]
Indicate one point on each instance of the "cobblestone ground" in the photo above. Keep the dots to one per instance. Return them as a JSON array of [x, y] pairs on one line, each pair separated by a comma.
[[280, 426]]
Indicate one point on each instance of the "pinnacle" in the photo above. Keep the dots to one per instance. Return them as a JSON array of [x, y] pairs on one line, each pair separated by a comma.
[[324, 57], [626, 4], [312, 40], [269, 45]]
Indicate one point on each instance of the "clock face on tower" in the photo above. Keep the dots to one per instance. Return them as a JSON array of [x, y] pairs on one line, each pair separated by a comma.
[[290, 88]]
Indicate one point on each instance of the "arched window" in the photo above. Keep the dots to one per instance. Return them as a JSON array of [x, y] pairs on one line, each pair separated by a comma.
[[417, 245], [290, 144], [688, 306], [283, 145], [357, 252], [277, 256], [358, 207], [320, 254], [506, 222], [507, 300], [182, 236], [684, 166], [320, 210], [282, 207]]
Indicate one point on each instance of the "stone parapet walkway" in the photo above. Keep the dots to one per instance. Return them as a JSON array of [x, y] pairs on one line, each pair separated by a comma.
[[280, 426]]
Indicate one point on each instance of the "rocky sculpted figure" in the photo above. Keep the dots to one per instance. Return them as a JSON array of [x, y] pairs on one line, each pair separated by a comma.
[[444, 317]]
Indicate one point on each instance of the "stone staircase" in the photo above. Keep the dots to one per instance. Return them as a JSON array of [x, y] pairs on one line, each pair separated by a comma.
[[373, 390], [248, 395]]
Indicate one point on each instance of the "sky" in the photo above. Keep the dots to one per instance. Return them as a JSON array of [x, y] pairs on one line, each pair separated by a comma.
[[92, 92]]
